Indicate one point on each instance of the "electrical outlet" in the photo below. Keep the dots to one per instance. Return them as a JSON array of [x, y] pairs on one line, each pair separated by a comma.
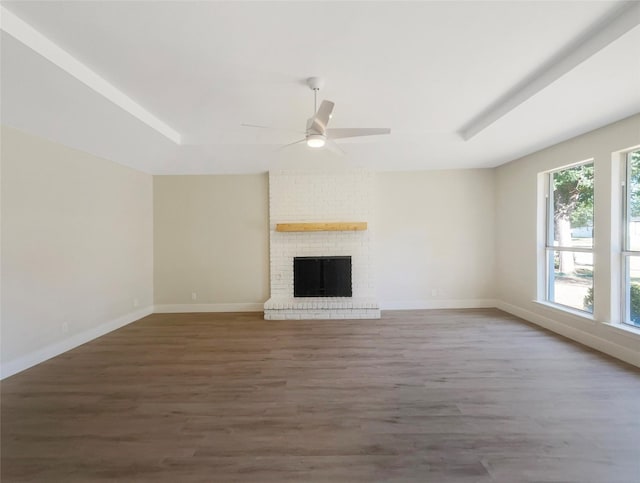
[[65, 327], [194, 296], [136, 302]]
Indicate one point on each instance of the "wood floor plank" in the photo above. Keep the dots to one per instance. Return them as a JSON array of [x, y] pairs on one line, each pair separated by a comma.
[[440, 396]]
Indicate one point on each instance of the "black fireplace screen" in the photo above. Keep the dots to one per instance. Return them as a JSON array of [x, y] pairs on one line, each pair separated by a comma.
[[322, 277]]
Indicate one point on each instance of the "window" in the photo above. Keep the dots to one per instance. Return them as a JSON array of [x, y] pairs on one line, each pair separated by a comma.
[[569, 237], [631, 248]]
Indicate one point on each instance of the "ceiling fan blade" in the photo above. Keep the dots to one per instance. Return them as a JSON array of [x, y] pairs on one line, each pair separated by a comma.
[[291, 144], [324, 112], [352, 132], [272, 128], [333, 147], [319, 122]]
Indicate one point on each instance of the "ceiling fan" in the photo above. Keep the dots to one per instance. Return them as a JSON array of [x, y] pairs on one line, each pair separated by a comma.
[[317, 135]]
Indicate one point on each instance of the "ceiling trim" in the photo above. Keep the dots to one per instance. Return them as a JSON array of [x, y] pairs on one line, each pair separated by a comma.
[[610, 28], [25, 33]]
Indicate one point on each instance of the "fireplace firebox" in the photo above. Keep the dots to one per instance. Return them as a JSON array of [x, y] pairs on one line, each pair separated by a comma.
[[322, 277]]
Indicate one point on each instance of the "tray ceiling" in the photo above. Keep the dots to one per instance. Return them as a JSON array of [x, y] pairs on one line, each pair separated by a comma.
[[427, 70]]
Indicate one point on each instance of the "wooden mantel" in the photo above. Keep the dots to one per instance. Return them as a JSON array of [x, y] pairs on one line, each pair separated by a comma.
[[323, 226]]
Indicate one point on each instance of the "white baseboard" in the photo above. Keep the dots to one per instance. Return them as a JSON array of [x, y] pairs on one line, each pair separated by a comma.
[[437, 304], [190, 308], [583, 337], [36, 357]]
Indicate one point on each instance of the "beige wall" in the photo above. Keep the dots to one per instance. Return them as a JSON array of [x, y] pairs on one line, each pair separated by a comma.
[[77, 248], [211, 238], [518, 240], [434, 236]]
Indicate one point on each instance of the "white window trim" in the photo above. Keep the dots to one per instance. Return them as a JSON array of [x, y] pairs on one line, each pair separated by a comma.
[[625, 252], [546, 247]]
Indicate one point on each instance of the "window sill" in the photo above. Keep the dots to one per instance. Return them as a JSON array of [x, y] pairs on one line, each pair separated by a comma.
[[626, 328], [566, 310]]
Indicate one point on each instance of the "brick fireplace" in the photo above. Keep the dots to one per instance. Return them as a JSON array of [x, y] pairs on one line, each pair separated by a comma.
[[338, 201]]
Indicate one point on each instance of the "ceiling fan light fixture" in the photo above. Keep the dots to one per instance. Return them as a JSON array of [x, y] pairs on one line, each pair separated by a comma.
[[316, 140]]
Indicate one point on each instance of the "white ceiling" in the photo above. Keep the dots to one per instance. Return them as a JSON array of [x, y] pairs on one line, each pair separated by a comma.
[[424, 69]]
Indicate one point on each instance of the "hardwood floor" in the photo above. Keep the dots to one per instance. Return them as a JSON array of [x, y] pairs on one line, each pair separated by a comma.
[[418, 396]]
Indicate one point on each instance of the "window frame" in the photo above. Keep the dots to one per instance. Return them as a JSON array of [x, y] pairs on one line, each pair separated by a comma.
[[549, 247], [626, 252]]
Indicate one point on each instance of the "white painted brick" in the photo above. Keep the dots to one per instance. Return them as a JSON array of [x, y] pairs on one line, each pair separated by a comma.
[[307, 197]]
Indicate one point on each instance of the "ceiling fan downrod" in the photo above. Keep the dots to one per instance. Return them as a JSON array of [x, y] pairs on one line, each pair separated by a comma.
[[315, 84]]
